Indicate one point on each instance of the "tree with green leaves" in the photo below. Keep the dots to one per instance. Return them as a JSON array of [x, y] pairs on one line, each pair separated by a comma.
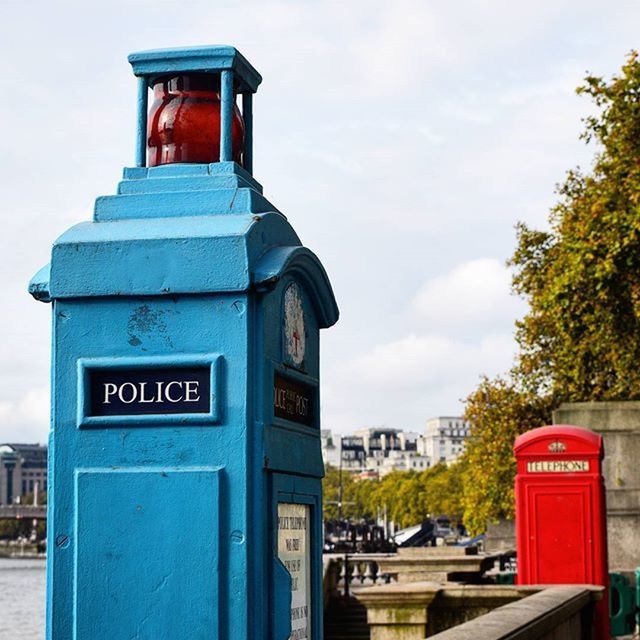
[[498, 412], [407, 496], [580, 339]]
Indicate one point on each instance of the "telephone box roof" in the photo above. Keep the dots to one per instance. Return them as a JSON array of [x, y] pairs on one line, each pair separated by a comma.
[[585, 436]]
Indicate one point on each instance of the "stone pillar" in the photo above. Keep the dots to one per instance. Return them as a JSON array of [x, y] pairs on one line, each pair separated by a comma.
[[619, 425], [436, 564], [398, 611], [501, 536]]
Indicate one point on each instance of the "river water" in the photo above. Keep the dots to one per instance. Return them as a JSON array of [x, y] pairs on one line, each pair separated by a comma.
[[22, 599]]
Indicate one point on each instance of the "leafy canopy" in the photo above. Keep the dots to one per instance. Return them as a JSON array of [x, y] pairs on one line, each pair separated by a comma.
[[409, 497], [499, 413], [580, 339]]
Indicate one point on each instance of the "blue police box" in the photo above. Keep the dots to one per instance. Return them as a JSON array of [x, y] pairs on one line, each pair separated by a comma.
[[185, 462]]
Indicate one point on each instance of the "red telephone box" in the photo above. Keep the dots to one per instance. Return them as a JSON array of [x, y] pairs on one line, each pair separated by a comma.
[[561, 529]]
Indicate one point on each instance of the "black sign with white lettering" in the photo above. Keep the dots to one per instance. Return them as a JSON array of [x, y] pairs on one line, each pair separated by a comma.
[[125, 392], [293, 400]]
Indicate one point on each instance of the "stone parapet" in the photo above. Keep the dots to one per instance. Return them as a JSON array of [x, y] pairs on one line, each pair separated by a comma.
[[398, 611], [468, 612], [437, 564], [437, 552], [457, 603], [501, 536], [556, 612]]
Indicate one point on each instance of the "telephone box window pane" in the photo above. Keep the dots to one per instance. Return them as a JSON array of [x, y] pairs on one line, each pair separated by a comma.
[[295, 553]]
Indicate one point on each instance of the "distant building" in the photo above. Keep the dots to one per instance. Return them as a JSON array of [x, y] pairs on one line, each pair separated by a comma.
[[375, 451], [21, 467], [405, 460], [379, 440], [330, 448], [353, 453], [445, 438]]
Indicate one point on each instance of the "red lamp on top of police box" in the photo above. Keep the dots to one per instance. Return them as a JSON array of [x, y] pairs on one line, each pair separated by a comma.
[[185, 118]]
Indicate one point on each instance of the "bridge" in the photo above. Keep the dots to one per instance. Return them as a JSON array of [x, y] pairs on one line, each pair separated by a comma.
[[22, 511]]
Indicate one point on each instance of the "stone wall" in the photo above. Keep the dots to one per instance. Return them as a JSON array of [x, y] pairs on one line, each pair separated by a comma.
[[552, 614], [501, 536], [437, 564], [413, 611], [456, 604], [619, 425]]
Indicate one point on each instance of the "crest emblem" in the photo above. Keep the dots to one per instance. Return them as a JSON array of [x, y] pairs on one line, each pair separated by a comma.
[[557, 446]]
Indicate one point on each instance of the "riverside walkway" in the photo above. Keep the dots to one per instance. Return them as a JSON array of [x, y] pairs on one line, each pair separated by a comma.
[[415, 595]]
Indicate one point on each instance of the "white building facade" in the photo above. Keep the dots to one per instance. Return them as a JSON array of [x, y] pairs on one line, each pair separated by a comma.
[[377, 451], [445, 438]]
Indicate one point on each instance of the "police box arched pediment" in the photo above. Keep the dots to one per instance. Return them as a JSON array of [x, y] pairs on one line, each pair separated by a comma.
[[304, 266]]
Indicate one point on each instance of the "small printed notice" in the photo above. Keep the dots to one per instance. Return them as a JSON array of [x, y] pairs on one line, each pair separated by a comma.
[[294, 552], [558, 466]]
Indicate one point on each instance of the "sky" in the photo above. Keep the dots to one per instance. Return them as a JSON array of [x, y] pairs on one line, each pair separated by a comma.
[[403, 140]]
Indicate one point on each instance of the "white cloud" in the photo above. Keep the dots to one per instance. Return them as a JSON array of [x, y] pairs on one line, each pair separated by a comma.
[[475, 294], [26, 418], [403, 382], [414, 362]]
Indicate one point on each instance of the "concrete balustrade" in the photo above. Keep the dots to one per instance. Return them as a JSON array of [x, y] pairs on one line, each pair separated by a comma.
[[564, 612], [410, 609], [437, 564], [418, 610], [398, 611], [457, 603]]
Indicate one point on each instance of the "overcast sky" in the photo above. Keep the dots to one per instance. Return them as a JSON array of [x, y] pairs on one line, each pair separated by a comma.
[[402, 139]]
